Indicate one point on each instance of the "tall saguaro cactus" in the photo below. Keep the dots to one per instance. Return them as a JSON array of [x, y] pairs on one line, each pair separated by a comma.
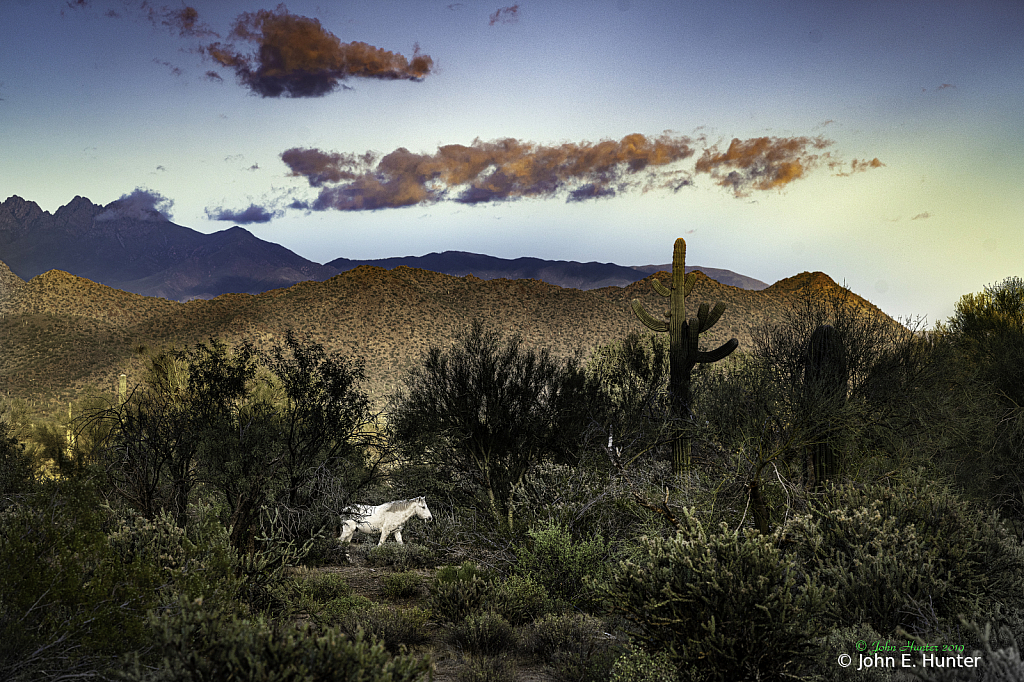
[[683, 335], [826, 377]]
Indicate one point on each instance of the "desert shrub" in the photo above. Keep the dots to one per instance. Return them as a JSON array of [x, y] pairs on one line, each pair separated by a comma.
[[261, 568], [17, 471], [325, 587], [520, 599], [197, 562], [484, 633], [467, 570], [575, 646], [487, 669], [394, 627], [198, 643], [401, 585], [562, 564], [68, 598], [451, 601], [577, 498], [334, 612], [912, 555], [401, 557], [729, 605], [637, 665], [326, 551]]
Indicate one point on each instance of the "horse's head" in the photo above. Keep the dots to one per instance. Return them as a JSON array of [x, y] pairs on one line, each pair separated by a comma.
[[421, 509]]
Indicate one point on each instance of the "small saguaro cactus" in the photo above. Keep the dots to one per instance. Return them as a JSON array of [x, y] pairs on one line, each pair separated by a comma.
[[826, 376], [683, 334]]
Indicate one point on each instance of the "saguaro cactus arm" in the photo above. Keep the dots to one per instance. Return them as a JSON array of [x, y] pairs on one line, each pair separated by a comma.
[[719, 353], [649, 321]]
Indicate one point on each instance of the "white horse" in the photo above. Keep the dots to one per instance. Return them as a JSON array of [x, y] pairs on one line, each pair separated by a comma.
[[386, 518]]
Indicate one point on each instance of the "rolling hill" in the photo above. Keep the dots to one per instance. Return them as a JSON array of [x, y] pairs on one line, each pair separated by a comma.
[[64, 335]]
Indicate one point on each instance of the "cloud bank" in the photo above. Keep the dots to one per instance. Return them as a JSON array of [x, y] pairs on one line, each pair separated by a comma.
[[295, 56], [247, 216], [511, 169], [485, 171]]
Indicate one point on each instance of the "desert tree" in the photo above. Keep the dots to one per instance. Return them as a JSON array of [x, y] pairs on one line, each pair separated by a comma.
[[986, 334], [488, 409], [329, 434], [633, 377]]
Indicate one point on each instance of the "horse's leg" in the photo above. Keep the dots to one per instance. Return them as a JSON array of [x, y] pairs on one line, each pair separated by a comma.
[[385, 531], [398, 535]]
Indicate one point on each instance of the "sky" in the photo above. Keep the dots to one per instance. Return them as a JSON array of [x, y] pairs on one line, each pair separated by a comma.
[[879, 142]]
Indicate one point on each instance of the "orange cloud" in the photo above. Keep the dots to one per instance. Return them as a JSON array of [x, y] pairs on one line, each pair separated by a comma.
[[296, 56], [856, 166], [762, 163], [484, 171]]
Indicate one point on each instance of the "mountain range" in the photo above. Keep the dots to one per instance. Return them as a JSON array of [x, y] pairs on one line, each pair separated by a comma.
[[138, 250]]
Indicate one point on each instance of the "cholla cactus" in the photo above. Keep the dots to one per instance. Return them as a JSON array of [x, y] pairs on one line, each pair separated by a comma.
[[683, 335]]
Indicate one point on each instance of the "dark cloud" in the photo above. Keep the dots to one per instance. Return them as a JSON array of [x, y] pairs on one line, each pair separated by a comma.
[[505, 15], [295, 56], [762, 163], [141, 204], [247, 216], [485, 171]]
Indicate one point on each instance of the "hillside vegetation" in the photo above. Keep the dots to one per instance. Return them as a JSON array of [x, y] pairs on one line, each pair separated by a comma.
[[64, 335]]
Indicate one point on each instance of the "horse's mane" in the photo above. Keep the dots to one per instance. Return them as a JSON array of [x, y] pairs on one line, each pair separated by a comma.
[[402, 505]]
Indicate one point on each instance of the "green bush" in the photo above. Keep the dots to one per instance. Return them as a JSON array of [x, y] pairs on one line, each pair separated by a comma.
[[487, 669], [484, 633], [334, 612], [394, 627], [466, 571], [561, 564], [401, 557], [575, 646], [196, 643], [451, 602], [729, 605], [68, 598], [912, 555], [401, 585], [198, 562], [520, 599], [17, 471], [637, 665], [324, 587]]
